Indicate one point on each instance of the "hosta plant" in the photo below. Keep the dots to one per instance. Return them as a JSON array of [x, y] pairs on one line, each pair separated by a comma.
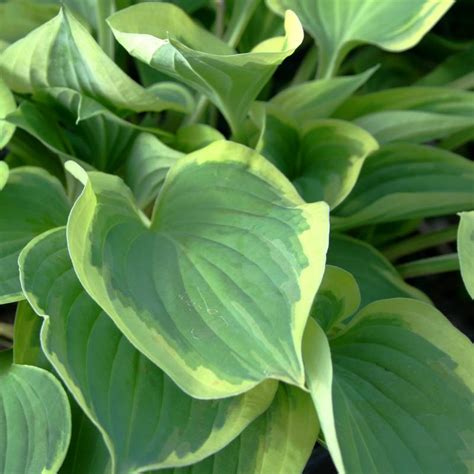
[[208, 211]]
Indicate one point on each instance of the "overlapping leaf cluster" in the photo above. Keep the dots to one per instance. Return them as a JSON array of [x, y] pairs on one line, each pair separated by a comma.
[[201, 251]]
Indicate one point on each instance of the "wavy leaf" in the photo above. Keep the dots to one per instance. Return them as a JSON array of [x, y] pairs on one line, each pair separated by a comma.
[[31, 202], [466, 250], [163, 36], [278, 442], [376, 276], [405, 182], [61, 53], [35, 419], [146, 420], [340, 25], [247, 288], [398, 377]]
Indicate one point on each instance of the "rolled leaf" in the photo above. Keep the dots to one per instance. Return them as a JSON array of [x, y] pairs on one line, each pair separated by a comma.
[[223, 276], [157, 424], [163, 36], [61, 53]]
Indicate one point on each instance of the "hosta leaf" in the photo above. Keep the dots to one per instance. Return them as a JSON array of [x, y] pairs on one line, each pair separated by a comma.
[[146, 420], [87, 451], [193, 137], [31, 202], [337, 299], [35, 419], [340, 25], [278, 442], [19, 17], [324, 162], [240, 258], [7, 105], [407, 181], [61, 53], [415, 114], [306, 102], [375, 275], [147, 165], [466, 250], [4, 172], [27, 349], [163, 36], [456, 71], [401, 389]]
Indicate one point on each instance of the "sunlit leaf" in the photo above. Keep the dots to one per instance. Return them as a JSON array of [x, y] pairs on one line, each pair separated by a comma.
[[238, 251], [61, 53], [146, 420], [340, 25], [163, 36]]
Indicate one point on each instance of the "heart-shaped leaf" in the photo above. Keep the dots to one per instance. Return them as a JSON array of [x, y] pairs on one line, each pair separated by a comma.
[[375, 275], [217, 288], [278, 442], [157, 424], [340, 25], [398, 376], [163, 36], [31, 202], [466, 250], [323, 160], [414, 114], [61, 53], [35, 419], [405, 182], [7, 105]]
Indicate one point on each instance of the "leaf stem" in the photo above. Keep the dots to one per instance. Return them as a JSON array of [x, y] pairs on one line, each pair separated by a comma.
[[420, 242], [429, 266], [307, 67], [201, 106], [238, 25]]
